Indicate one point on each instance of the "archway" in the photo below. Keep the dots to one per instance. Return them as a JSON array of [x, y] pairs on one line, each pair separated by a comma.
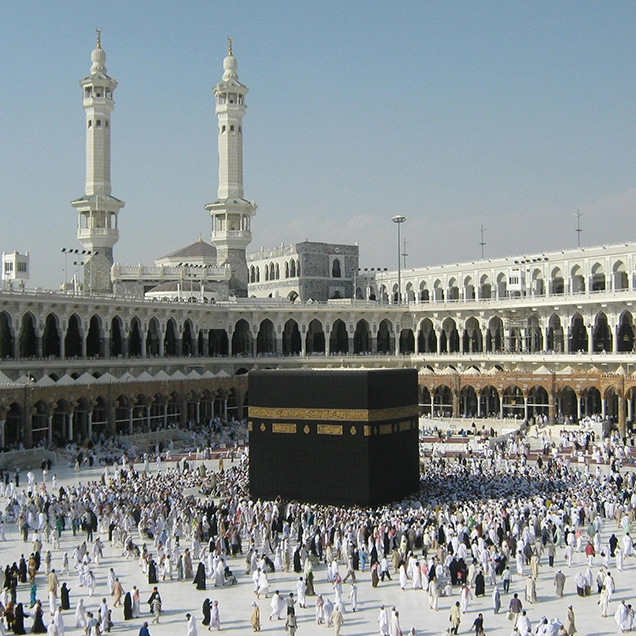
[[6, 336], [51, 341], [427, 339], [578, 334], [362, 338], [218, 343], [494, 335], [443, 401], [94, 347], [472, 340], [468, 402], [625, 339], [266, 338], [40, 424], [555, 334], [338, 338], [242, 339], [292, 343], [116, 337], [187, 341], [28, 338], [537, 401], [407, 342], [14, 426], [567, 409], [601, 334], [489, 402], [534, 341], [73, 338], [134, 340], [315, 339], [384, 339], [170, 341]]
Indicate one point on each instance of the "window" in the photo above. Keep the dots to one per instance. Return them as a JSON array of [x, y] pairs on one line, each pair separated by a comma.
[[98, 123], [336, 272]]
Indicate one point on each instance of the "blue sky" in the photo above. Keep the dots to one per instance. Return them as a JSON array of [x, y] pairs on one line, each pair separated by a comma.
[[508, 114]]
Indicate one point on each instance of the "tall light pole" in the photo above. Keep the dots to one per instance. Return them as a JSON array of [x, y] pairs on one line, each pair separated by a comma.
[[399, 220]]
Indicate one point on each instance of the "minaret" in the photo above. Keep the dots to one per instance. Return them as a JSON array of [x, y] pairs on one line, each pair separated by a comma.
[[231, 213], [97, 210]]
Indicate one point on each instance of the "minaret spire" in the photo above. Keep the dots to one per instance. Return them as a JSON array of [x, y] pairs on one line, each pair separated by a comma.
[[231, 213], [97, 210]]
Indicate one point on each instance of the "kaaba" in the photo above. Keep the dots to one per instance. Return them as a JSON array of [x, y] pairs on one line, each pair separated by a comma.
[[346, 437]]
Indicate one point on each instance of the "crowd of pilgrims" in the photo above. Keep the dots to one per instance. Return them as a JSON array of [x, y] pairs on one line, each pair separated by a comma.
[[476, 519]]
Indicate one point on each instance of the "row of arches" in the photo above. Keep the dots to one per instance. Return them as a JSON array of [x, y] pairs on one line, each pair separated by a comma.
[[512, 402], [272, 271], [112, 339], [66, 421], [577, 280]]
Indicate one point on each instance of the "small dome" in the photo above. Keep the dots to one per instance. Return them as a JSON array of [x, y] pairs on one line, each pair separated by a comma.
[[229, 66], [98, 58]]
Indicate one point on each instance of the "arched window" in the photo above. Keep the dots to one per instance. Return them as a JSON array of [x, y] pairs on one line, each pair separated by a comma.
[[336, 272]]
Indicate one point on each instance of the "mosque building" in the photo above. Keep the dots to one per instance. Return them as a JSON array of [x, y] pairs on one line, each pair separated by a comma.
[[145, 347]]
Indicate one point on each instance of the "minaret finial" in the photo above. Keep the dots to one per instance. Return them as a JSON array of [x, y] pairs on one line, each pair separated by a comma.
[[99, 38], [229, 46]]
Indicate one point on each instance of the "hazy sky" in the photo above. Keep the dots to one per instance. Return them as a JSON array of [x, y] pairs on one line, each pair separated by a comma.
[[454, 114]]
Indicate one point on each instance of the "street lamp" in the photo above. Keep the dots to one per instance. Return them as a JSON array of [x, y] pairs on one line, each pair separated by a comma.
[[398, 220]]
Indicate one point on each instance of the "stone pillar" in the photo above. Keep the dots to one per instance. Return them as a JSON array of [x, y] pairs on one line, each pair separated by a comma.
[[303, 344], [144, 349], [525, 407], [455, 403], [416, 337], [551, 407], [396, 344], [603, 407], [374, 343], [89, 423], [327, 342], [130, 420], [578, 407], [2, 427], [279, 345], [49, 434], [621, 416]]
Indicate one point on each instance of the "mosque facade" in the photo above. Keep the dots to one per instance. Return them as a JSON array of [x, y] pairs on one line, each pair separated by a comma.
[[147, 347]]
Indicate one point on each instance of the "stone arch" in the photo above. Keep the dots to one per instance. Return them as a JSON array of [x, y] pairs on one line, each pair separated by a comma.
[[292, 268], [157, 413], [51, 341], [94, 337], [567, 404], [292, 342], [513, 403], [621, 280], [28, 340], [438, 290], [625, 335], [578, 334], [538, 284], [153, 337], [443, 401], [385, 337], [61, 424], [494, 335], [286, 269], [315, 339], [134, 338], [80, 428], [40, 423], [170, 339], [14, 426], [427, 338], [534, 336], [6, 336], [426, 401], [555, 334], [590, 402], [502, 285], [123, 416], [424, 293], [218, 343], [407, 341], [469, 288], [578, 280], [99, 418], [485, 288], [338, 338], [557, 285], [242, 339], [489, 402], [598, 278], [472, 341], [453, 289], [611, 404], [173, 410], [336, 269], [277, 271], [362, 338], [601, 334], [187, 340], [467, 402], [410, 292], [538, 401], [449, 336], [266, 338], [116, 337], [73, 338]]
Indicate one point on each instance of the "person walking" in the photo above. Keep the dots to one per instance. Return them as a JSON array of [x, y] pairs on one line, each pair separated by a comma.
[[255, 619], [570, 626], [455, 617]]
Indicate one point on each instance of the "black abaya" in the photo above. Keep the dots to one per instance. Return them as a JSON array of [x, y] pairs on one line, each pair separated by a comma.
[[199, 579], [206, 612], [65, 601], [128, 612]]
